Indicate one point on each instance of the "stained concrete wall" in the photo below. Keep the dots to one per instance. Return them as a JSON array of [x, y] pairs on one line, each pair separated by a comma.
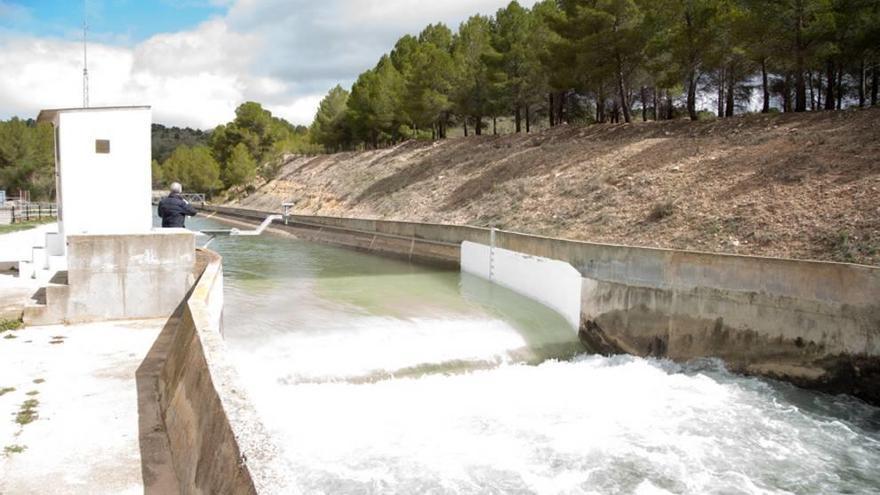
[[812, 323], [431, 243], [118, 277], [217, 442], [134, 276]]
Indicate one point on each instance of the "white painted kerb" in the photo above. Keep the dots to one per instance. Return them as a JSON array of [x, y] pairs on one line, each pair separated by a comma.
[[553, 283]]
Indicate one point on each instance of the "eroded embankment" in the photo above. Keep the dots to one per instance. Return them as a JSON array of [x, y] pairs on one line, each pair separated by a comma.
[[815, 324], [794, 186]]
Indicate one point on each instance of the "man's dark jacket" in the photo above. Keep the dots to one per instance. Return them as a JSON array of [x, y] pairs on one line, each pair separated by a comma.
[[173, 210]]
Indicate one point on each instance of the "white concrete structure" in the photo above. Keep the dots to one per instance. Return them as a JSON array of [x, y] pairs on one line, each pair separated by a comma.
[[102, 166], [553, 283], [106, 261]]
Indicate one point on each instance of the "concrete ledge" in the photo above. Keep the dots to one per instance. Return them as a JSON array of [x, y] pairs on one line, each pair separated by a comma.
[[815, 324], [217, 442]]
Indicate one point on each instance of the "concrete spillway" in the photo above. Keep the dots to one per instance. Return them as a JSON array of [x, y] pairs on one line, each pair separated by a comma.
[[378, 376]]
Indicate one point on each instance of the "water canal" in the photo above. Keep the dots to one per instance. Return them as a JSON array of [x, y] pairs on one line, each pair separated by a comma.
[[378, 376]]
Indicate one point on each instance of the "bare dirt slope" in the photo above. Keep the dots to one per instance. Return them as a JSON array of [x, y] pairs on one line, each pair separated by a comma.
[[802, 186]]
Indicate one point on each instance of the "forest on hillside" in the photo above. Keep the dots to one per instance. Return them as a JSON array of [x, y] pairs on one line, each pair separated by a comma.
[[27, 158], [230, 156], [611, 61], [167, 139]]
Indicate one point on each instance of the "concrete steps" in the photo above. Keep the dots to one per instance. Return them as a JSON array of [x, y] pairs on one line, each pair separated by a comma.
[[48, 305], [45, 266], [44, 262]]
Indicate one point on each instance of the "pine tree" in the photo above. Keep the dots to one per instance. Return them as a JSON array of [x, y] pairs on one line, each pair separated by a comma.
[[512, 64], [27, 159], [330, 129], [374, 104], [241, 167], [608, 38], [472, 48], [158, 177], [428, 79], [194, 167], [687, 37]]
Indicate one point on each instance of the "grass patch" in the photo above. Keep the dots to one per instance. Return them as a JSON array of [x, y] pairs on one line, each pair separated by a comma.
[[33, 393], [10, 336], [28, 412], [849, 248], [16, 227], [6, 390], [39, 381], [7, 325], [14, 449], [661, 211]]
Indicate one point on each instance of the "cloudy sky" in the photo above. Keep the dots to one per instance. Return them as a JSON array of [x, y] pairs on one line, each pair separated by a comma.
[[194, 61]]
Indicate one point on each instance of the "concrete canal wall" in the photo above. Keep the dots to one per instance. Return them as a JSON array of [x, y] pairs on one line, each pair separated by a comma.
[[217, 441], [815, 324]]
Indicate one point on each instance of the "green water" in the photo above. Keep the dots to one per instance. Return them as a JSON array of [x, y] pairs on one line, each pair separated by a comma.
[[287, 297]]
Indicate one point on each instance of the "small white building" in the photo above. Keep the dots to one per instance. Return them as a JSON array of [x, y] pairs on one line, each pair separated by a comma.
[[102, 169], [106, 261]]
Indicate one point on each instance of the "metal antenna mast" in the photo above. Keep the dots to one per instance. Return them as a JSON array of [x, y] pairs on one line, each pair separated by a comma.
[[85, 58]]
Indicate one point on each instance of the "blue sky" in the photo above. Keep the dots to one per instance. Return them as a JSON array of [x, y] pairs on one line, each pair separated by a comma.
[[119, 21]]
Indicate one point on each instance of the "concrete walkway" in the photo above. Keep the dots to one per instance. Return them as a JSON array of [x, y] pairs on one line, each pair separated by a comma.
[[84, 433], [15, 293]]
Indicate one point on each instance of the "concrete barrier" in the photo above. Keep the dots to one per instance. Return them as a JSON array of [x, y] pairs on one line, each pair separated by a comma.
[[815, 324], [217, 441], [429, 243], [118, 277], [553, 283]]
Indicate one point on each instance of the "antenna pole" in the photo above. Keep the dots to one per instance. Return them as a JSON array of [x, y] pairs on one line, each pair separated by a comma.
[[85, 58]]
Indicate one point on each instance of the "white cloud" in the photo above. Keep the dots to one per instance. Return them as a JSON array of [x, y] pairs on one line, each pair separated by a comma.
[[283, 53], [12, 12]]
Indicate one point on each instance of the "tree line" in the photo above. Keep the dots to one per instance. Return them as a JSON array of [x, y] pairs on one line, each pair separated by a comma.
[[166, 139], [610, 61], [230, 156], [233, 154], [27, 158]]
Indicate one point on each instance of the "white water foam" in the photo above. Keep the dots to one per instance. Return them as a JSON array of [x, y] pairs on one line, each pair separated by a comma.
[[303, 320], [367, 345], [595, 425]]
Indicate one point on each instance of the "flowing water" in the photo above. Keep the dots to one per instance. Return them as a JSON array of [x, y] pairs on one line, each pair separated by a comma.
[[378, 376]]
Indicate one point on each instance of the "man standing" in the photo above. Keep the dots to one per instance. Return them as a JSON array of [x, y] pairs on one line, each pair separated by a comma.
[[173, 209]]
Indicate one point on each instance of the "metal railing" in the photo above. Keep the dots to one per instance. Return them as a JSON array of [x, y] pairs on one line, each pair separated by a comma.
[[192, 198], [195, 198], [27, 212]]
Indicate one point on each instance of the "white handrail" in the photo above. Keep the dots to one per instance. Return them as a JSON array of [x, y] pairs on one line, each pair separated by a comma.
[[236, 232], [268, 221]]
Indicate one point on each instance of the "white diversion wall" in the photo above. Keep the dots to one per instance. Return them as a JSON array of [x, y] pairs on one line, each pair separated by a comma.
[[553, 283]]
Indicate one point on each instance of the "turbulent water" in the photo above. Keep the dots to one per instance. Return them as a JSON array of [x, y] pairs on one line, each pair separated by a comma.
[[377, 376]]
